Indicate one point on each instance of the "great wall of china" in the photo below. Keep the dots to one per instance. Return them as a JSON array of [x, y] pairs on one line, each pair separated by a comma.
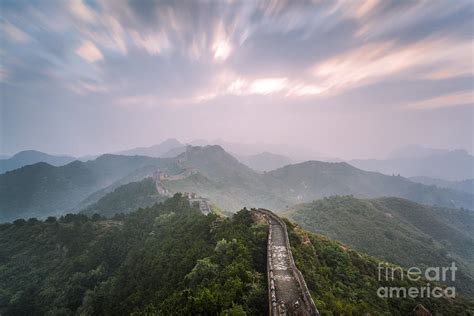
[[287, 290], [288, 293]]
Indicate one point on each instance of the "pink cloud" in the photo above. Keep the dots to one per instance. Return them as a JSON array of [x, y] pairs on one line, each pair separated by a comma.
[[89, 52]]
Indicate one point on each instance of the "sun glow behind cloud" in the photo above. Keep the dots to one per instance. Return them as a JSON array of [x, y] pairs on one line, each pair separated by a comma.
[[115, 28], [344, 58], [268, 85], [222, 50]]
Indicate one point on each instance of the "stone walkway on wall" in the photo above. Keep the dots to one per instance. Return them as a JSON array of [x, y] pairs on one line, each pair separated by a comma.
[[286, 285], [288, 293]]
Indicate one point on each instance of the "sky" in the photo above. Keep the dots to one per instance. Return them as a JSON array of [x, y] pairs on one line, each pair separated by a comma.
[[351, 79]]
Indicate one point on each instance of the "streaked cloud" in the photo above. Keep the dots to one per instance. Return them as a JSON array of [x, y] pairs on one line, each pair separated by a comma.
[[14, 33], [444, 101], [84, 87], [222, 49], [307, 59], [364, 8], [221, 46], [267, 86], [82, 11], [378, 61], [154, 44], [3, 75], [89, 52]]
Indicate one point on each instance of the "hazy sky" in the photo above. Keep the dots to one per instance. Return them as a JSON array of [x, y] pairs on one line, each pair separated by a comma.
[[348, 78]]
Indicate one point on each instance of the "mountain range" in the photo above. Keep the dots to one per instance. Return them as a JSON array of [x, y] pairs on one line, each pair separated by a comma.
[[463, 185], [156, 151], [259, 161], [415, 161], [29, 157], [231, 184], [123, 243], [42, 189], [294, 152], [264, 161], [411, 161], [315, 179]]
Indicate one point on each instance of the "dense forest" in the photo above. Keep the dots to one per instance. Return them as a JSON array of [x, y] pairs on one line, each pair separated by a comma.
[[345, 282], [126, 198], [166, 259], [397, 230], [169, 259]]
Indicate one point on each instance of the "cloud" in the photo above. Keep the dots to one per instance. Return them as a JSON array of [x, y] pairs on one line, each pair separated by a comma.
[[268, 85], [222, 47], [146, 100], [84, 87], [89, 52], [228, 83], [364, 8], [380, 61], [456, 99], [302, 89], [14, 33], [82, 11], [3, 75], [340, 58], [154, 44], [222, 50]]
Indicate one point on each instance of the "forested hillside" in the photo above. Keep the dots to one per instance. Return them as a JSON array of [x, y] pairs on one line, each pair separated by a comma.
[[312, 180], [41, 190], [167, 259], [126, 199], [397, 230], [170, 259], [345, 282], [231, 185]]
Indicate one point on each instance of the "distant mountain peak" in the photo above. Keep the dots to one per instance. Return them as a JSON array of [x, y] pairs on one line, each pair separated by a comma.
[[30, 157], [157, 150], [171, 141], [28, 152], [210, 150], [32, 152], [214, 162], [318, 163], [417, 161]]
